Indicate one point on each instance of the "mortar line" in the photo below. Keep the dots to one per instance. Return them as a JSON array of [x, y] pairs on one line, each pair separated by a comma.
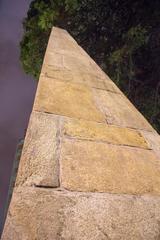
[[71, 192], [98, 122], [106, 142]]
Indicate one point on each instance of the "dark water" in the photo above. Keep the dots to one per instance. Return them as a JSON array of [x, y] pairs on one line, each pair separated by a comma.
[[16, 89]]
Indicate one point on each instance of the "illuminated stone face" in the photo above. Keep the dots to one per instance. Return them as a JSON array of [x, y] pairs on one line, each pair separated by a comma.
[[39, 213], [76, 101], [90, 166]]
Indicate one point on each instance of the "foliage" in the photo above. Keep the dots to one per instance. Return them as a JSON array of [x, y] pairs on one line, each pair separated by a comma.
[[122, 37]]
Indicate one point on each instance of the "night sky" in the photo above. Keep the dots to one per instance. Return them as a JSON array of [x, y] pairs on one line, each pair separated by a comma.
[[16, 89]]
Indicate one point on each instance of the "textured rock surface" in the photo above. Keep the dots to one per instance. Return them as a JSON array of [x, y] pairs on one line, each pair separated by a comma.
[[96, 131], [68, 99], [76, 76], [38, 165], [90, 167], [119, 110], [153, 140], [52, 215]]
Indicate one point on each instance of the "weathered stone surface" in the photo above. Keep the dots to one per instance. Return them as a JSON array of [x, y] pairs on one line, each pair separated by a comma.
[[38, 164], [59, 33], [97, 82], [56, 60], [78, 63], [60, 40], [102, 167], [90, 79], [153, 140], [65, 59], [63, 45], [70, 62], [120, 111], [63, 51], [35, 213], [67, 99], [103, 132], [68, 48], [47, 214]]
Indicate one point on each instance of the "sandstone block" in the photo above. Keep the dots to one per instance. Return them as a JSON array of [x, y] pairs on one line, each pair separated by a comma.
[[93, 166], [120, 111], [90, 79], [103, 132], [47, 214], [55, 60], [67, 99], [153, 140], [39, 164]]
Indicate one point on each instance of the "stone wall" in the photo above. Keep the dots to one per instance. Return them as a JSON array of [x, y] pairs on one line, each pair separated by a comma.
[[90, 167]]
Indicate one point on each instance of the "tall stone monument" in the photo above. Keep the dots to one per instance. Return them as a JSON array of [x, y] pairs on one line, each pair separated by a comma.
[[90, 166]]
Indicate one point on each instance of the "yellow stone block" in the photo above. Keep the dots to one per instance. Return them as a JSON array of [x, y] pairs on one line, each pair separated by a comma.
[[101, 167], [97, 81], [55, 60], [64, 43], [120, 111], [71, 62], [153, 140], [79, 63], [89, 79], [103, 132], [58, 35], [67, 99], [61, 41]]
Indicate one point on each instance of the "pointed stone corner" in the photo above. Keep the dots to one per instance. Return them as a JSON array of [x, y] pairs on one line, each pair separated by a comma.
[[90, 166]]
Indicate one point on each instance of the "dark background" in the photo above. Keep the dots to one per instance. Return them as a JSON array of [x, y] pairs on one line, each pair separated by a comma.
[[16, 90]]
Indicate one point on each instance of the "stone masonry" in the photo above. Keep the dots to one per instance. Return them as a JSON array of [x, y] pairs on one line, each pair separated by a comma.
[[90, 166]]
